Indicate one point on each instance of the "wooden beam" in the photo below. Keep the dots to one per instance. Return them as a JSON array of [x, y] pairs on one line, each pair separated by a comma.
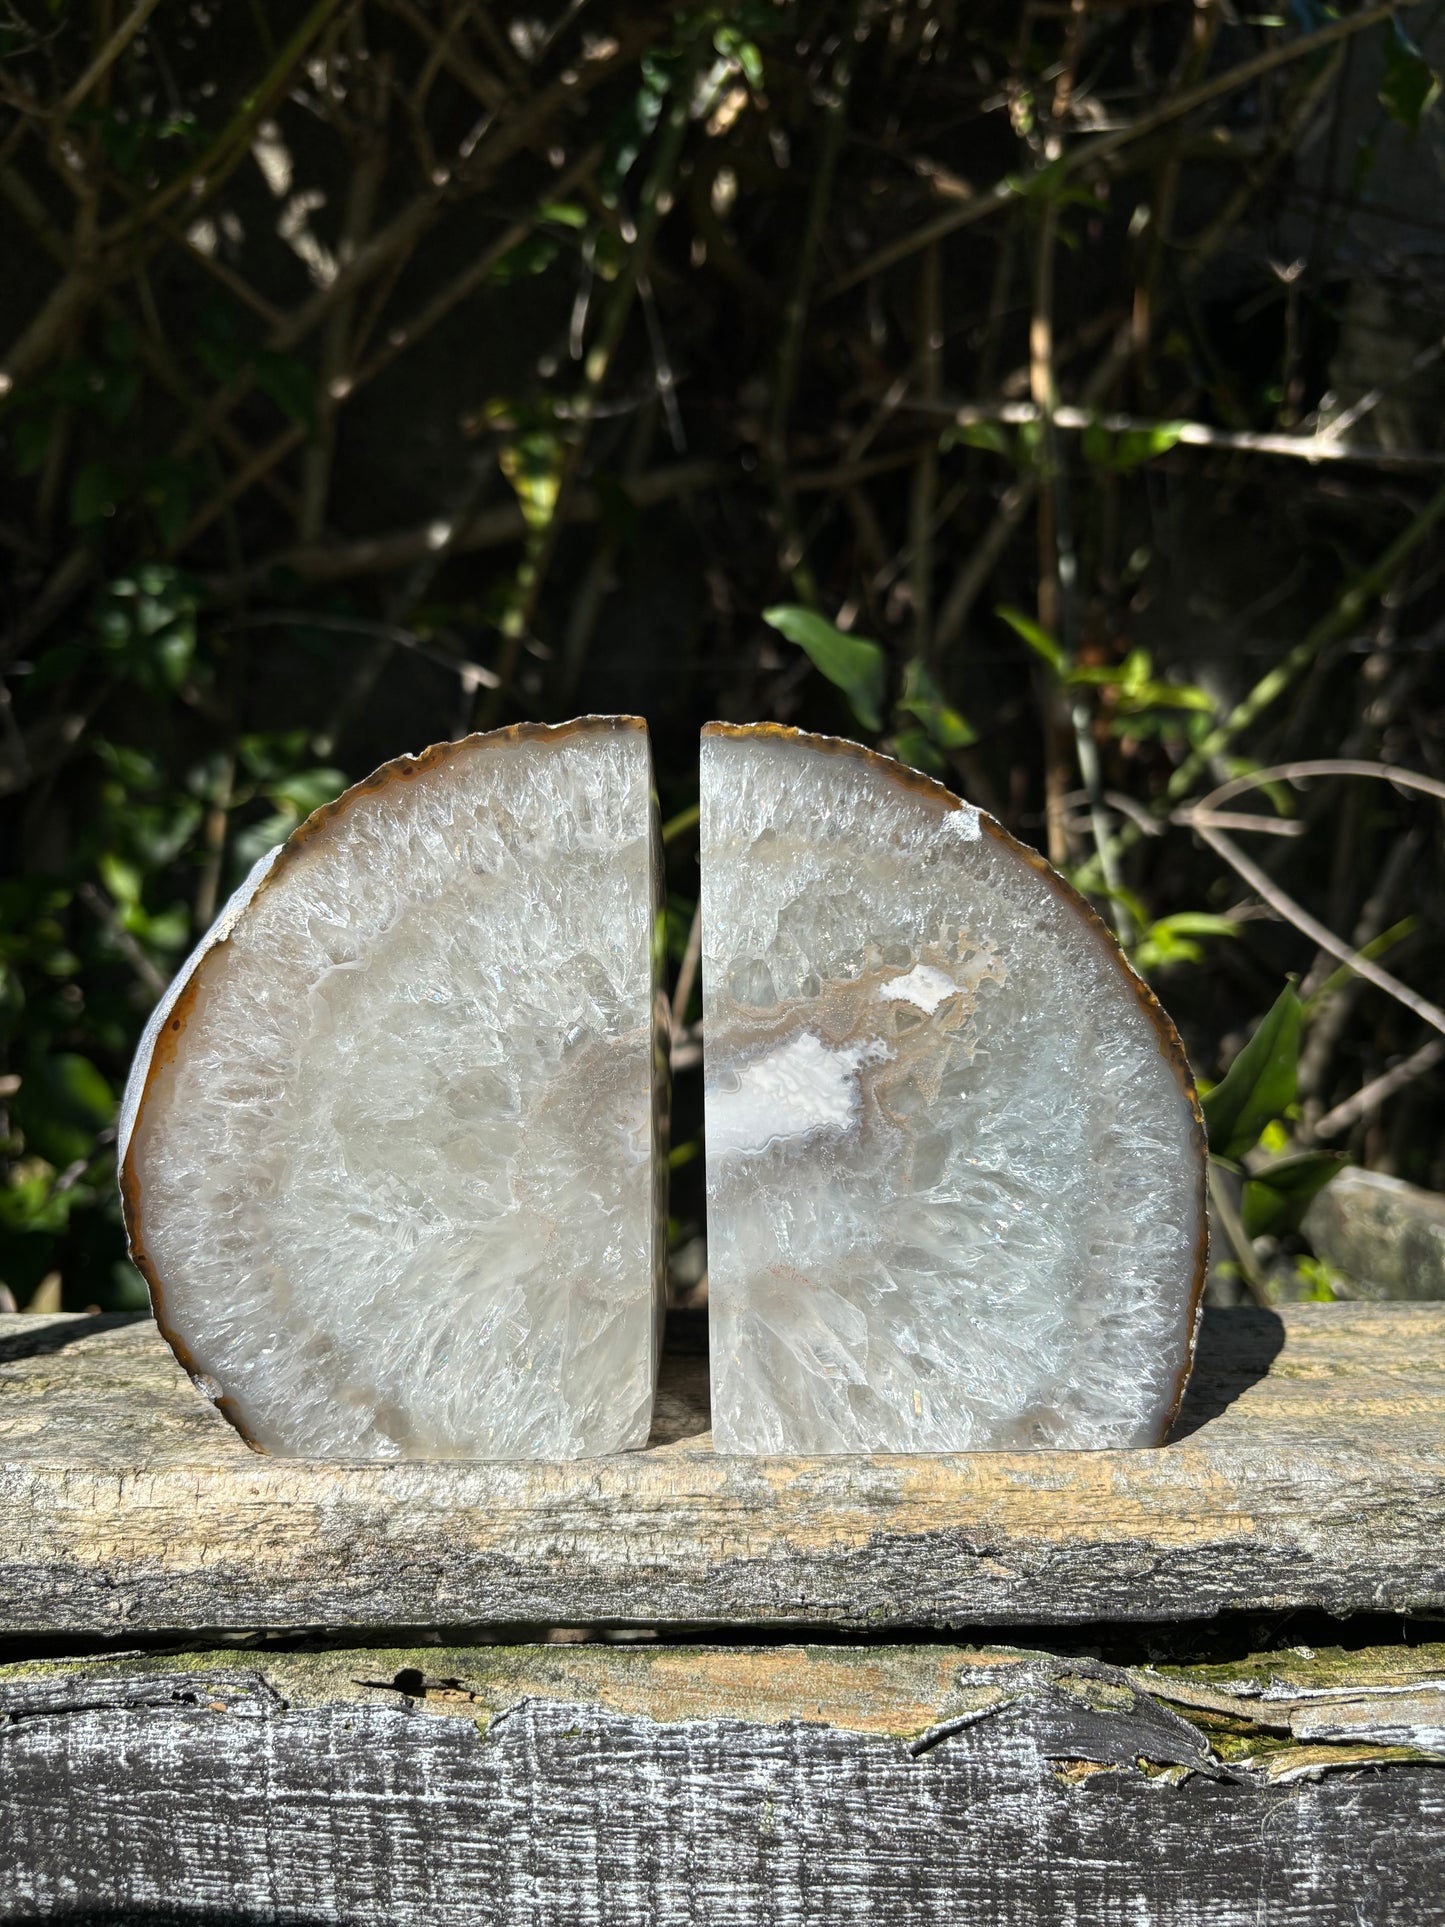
[[1308, 1470], [773, 1787]]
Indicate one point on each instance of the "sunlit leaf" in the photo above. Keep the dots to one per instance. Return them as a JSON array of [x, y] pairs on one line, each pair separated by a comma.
[[1275, 1199], [1124, 449], [121, 878], [1321, 1280], [923, 700], [1170, 940], [859, 668], [1260, 1084], [735, 46], [532, 463], [1035, 635]]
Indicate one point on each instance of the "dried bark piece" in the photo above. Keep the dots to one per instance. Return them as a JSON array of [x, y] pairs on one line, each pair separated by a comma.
[[391, 1144], [954, 1154]]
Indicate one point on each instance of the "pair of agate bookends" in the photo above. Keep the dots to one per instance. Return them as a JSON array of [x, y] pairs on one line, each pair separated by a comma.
[[394, 1148]]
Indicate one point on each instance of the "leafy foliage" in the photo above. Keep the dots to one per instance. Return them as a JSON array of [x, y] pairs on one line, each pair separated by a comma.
[[1277, 1196], [858, 667], [1409, 88], [1260, 1085], [365, 383]]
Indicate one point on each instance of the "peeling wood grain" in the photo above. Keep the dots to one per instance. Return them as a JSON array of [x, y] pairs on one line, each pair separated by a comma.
[[1308, 1470], [680, 1788]]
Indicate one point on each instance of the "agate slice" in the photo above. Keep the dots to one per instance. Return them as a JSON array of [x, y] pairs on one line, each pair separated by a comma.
[[392, 1142], [955, 1160]]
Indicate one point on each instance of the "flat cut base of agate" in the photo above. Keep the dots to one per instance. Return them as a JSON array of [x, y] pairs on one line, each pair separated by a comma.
[[954, 1157], [393, 1142]]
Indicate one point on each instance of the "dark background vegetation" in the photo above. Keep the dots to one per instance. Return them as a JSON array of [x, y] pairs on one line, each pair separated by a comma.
[[1068, 375]]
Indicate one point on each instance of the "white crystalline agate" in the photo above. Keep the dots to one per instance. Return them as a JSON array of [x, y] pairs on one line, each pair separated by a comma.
[[955, 1162], [391, 1146]]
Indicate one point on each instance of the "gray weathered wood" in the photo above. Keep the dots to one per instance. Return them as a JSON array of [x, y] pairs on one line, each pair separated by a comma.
[[1308, 1470], [710, 1788]]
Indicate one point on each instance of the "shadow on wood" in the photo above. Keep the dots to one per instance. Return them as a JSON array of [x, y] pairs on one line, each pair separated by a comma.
[[1235, 1351], [38, 1338]]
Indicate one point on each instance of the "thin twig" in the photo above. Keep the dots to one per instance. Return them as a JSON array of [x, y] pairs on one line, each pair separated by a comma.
[[923, 496], [1312, 767], [490, 529], [1280, 900], [1375, 1093], [1321, 446], [591, 591], [1222, 1207], [95, 899], [687, 974], [364, 182], [1106, 146], [1347, 612], [541, 539], [114, 47], [471, 675]]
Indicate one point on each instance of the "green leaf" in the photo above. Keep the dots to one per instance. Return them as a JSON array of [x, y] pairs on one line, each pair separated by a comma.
[[859, 668], [916, 748], [533, 464], [308, 790], [985, 435], [1169, 940], [129, 1290], [1121, 451], [1260, 1084], [273, 754], [532, 256], [1275, 1199], [1320, 1280], [1199, 923], [734, 46], [923, 700], [563, 213], [1035, 635], [257, 838], [62, 1105], [121, 878], [1409, 87]]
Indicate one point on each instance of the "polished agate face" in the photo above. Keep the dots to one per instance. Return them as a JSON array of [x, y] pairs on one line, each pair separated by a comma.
[[391, 1147], [954, 1158]]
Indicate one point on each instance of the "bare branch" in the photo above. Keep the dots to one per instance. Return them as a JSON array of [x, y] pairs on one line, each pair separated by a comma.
[[1375, 1093]]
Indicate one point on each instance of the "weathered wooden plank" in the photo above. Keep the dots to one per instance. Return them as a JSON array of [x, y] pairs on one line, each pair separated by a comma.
[[1308, 1470], [682, 1787]]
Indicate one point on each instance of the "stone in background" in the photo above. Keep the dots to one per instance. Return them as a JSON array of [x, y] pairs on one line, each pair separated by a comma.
[[1386, 1237]]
